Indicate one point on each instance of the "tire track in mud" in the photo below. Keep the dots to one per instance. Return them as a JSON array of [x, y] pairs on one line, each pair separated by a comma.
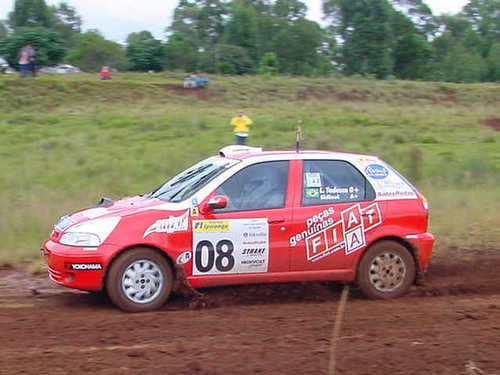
[[477, 276], [439, 327]]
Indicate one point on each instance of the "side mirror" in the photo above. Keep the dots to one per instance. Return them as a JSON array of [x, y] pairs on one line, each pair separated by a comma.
[[216, 202]]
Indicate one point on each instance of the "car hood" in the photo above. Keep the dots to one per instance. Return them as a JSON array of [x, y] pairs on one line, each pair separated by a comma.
[[123, 207]]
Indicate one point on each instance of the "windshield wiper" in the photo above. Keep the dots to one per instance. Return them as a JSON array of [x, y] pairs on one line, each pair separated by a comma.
[[189, 188], [190, 175]]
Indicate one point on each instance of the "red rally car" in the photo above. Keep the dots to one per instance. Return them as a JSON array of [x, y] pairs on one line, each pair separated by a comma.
[[250, 216]]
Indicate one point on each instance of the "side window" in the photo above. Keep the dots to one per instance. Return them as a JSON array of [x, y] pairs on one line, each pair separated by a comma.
[[333, 181], [256, 187]]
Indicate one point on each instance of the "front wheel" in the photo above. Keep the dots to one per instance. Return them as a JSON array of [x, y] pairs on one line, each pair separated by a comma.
[[387, 270], [139, 280]]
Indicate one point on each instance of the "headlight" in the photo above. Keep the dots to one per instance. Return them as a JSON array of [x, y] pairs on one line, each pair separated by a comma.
[[80, 239], [91, 233]]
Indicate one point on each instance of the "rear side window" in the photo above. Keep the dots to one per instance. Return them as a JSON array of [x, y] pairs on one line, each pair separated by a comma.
[[333, 181]]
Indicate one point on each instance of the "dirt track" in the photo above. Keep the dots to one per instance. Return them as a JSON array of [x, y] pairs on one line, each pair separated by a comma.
[[450, 325]]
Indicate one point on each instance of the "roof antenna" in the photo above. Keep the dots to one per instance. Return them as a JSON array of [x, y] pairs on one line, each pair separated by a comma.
[[298, 137]]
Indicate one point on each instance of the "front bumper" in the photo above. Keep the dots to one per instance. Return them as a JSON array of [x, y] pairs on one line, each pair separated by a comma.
[[74, 267]]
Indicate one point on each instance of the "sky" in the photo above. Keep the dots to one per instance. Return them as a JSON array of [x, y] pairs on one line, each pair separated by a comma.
[[117, 18]]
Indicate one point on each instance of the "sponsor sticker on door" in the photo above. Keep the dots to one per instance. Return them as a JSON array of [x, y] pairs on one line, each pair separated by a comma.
[[324, 236], [230, 246]]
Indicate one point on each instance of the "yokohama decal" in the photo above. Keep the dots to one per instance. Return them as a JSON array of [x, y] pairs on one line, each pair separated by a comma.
[[347, 234]]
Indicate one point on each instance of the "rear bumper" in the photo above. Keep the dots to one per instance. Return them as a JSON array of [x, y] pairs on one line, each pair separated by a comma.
[[423, 243], [74, 267]]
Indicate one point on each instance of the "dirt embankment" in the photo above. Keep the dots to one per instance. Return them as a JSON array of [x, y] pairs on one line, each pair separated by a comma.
[[493, 123], [450, 325]]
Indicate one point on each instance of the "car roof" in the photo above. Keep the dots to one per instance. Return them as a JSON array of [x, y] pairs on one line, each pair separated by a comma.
[[247, 152]]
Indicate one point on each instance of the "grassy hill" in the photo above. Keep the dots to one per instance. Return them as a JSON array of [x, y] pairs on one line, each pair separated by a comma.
[[67, 140]]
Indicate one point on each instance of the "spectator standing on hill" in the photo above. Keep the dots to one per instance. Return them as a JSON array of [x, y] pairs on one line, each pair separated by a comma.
[[105, 72], [24, 60], [241, 124], [32, 59]]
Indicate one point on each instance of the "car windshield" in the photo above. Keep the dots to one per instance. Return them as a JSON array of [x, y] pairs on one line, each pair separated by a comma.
[[191, 180]]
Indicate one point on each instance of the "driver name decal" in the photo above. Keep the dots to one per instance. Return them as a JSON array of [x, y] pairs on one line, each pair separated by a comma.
[[170, 225]]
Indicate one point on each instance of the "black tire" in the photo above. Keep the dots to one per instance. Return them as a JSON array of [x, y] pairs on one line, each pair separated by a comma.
[[386, 270], [154, 275]]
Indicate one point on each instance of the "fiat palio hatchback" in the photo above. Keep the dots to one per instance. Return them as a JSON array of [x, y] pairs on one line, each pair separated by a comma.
[[250, 216]]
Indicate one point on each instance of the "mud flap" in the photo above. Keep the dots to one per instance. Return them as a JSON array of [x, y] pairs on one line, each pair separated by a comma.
[[420, 274]]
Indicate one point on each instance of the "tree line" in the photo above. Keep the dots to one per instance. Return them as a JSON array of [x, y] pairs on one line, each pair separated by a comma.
[[373, 38]]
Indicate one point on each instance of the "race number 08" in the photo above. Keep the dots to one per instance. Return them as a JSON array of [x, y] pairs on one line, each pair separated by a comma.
[[224, 250]]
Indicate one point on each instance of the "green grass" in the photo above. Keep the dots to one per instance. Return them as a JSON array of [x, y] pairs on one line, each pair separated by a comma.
[[67, 140]]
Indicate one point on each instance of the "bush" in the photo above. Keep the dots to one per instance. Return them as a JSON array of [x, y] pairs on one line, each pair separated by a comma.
[[233, 59], [92, 51], [145, 55], [269, 64], [48, 45]]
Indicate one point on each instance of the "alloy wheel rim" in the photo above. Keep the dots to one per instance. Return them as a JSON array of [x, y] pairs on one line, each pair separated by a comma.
[[142, 281], [387, 272]]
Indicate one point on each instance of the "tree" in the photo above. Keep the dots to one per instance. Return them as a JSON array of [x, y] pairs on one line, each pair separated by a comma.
[[139, 36], [3, 29], [181, 52], [48, 45], [66, 22], [493, 63], [411, 51], [419, 14], [366, 34], [144, 51], [197, 26], [484, 16], [241, 29], [233, 60], [297, 47], [211, 21], [460, 50], [201, 21], [462, 66], [261, 6], [411, 55], [290, 10], [30, 13], [91, 51], [453, 32], [267, 29]]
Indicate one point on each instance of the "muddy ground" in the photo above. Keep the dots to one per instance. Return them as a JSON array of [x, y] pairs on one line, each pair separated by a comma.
[[450, 325]]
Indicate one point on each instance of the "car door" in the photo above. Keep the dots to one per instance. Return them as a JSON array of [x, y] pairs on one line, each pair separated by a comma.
[[249, 234], [333, 213]]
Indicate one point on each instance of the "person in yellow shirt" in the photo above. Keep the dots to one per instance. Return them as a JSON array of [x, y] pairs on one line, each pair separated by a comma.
[[241, 124]]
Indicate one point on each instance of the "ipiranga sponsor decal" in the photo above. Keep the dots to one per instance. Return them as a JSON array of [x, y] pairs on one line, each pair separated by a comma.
[[211, 226], [170, 225], [325, 236], [230, 246]]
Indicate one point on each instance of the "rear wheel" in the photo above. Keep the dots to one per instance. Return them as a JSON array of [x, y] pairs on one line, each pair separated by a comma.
[[139, 280], [387, 270]]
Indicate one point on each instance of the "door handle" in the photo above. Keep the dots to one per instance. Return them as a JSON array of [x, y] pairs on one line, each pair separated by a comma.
[[276, 220]]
